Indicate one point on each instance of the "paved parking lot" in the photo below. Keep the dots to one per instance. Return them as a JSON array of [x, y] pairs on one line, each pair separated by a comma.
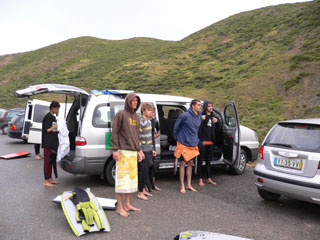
[[232, 207]]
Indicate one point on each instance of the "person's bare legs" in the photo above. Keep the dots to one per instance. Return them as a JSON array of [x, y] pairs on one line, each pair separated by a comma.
[[181, 175], [189, 176], [127, 204], [120, 209]]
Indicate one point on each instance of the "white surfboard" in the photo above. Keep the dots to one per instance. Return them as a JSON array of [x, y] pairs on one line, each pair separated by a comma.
[[69, 210], [106, 203], [200, 235]]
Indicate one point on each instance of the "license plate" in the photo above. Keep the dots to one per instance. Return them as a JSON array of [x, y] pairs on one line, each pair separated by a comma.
[[288, 163]]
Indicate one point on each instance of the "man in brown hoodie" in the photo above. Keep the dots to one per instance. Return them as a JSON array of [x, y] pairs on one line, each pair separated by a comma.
[[125, 144]]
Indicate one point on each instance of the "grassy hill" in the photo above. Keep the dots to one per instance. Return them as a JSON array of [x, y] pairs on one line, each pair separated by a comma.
[[266, 60]]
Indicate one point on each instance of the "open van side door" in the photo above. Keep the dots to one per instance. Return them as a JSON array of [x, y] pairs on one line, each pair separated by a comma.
[[231, 134]]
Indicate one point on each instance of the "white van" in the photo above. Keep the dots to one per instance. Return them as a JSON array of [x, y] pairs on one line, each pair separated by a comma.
[[90, 135], [35, 111]]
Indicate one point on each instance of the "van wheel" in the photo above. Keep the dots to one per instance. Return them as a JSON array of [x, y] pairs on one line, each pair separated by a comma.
[[269, 196], [239, 169], [5, 129], [243, 156], [110, 172]]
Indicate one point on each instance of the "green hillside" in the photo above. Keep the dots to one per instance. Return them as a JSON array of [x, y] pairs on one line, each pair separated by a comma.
[[266, 60]]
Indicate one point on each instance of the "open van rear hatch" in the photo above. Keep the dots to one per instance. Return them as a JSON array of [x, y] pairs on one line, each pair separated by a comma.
[[50, 88]]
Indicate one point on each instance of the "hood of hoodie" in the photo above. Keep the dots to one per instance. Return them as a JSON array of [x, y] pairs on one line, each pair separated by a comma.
[[129, 98], [205, 105], [193, 114]]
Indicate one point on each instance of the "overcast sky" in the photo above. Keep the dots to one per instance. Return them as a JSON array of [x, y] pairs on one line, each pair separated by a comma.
[[32, 24]]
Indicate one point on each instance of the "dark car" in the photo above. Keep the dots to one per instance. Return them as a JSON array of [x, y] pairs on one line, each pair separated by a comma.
[[16, 126], [3, 113], [10, 114]]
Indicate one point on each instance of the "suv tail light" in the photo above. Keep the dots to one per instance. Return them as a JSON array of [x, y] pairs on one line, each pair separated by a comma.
[[260, 155], [80, 141], [13, 127], [319, 166]]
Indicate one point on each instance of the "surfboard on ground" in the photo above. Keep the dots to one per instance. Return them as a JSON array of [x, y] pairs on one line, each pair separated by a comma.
[[106, 203], [200, 235], [15, 155], [70, 210]]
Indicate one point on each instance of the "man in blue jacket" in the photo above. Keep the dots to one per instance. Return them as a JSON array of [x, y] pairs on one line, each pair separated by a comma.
[[186, 134]]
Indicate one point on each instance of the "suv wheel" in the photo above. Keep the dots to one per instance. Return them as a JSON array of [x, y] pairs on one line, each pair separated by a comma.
[[5, 129], [269, 196], [110, 172]]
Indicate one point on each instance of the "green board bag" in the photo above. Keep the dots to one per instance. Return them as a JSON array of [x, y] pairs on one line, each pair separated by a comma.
[[107, 142]]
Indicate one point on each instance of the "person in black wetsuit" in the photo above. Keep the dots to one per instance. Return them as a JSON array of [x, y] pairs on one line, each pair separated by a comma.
[[207, 130], [50, 143], [155, 134]]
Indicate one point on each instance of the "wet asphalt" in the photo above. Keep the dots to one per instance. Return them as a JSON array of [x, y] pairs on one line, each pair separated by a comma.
[[232, 207]]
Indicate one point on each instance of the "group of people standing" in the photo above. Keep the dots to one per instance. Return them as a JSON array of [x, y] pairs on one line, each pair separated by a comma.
[[133, 146], [132, 143]]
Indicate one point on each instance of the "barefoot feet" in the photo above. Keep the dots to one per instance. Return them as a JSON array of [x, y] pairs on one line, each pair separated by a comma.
[[122, 212], [131, 208], [201, 183], [210, 181], [191, 189], [142, 196], [47, 183]]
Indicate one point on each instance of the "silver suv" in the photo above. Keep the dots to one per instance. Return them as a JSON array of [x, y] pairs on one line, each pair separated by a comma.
[[289, 161], [89, 122]]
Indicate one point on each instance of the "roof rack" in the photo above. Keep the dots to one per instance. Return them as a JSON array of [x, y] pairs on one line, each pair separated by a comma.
[[112, 92]]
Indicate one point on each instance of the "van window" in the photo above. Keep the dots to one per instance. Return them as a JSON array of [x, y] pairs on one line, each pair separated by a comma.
[[29, 112], [39, 112], [115, 108], [101, 117], [168, 114]]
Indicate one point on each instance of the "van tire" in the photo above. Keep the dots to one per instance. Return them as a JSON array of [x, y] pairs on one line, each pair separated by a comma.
[[239, 169], [109, 172], [268, 196]]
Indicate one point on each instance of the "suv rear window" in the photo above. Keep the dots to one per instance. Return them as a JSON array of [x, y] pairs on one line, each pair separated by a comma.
[[304, 137]]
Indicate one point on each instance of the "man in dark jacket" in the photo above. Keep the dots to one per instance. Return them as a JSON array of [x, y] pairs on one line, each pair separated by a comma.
[[50, 143], [186, 133], [207, 139], [125, 144]]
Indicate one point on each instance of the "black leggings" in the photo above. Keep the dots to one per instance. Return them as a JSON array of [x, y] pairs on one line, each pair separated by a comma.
[[37, 148], [145, 172], [206, 153]]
